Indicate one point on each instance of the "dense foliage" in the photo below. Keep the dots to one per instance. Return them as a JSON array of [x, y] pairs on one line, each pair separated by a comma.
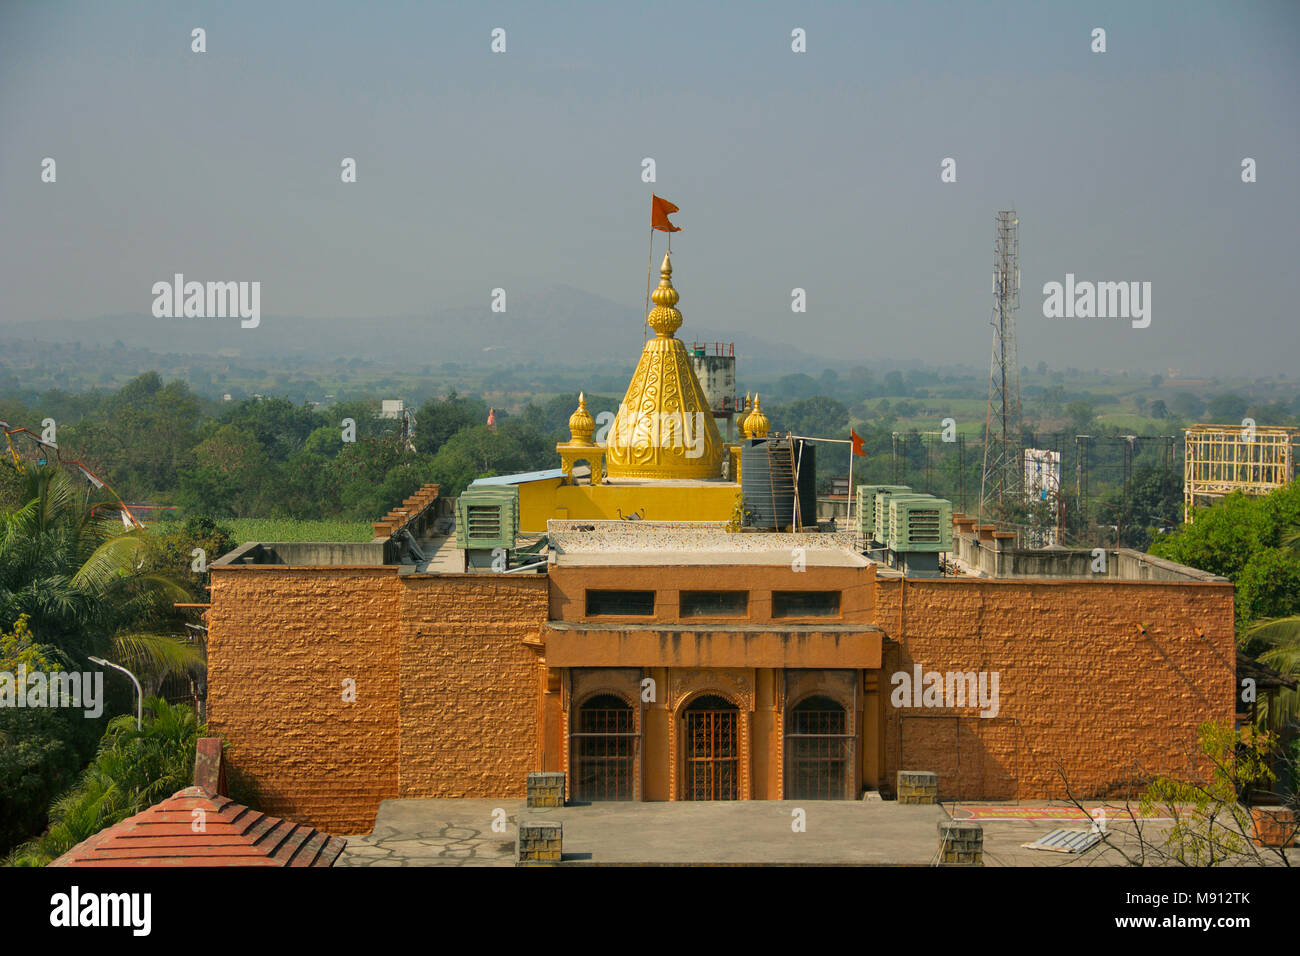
[[134, 769]]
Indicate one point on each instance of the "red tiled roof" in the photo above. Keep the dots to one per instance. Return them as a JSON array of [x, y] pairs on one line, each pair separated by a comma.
[[232, 835]]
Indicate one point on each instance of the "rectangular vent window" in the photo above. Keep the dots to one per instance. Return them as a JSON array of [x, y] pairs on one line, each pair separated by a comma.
[[805, 603], [715, 603], [620, 602]]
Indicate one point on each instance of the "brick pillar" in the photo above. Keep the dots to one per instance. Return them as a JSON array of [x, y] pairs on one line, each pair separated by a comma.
[[209, 767], [546, 789], [961, 842], [539, 843], [918, 786]]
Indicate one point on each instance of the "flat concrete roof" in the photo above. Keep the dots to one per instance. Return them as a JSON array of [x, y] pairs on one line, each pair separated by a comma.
[[777, 557]]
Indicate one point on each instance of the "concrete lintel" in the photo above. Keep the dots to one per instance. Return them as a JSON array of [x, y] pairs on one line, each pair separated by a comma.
[[714, 648]]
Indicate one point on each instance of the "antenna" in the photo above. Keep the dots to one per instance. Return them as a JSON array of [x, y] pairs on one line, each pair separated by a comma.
[[1000, 477]]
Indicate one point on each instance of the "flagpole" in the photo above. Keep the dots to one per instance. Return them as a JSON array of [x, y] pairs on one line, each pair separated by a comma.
[[851, 457], [649, 267]]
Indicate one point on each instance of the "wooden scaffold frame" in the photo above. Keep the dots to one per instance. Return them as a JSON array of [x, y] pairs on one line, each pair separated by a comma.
[[1221, 459]]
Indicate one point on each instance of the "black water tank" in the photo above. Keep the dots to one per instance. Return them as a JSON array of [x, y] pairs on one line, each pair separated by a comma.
[[767, 482]]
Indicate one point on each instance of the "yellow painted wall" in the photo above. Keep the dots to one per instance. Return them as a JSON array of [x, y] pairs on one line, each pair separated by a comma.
[[540, 501]]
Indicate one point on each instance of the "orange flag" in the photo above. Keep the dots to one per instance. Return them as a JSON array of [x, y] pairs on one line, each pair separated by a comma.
[[859, 444], [660, 209]]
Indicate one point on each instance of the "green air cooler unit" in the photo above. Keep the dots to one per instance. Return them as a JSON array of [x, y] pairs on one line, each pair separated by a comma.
[[880, 509], [865, 508], [487, 519], [920, 526]]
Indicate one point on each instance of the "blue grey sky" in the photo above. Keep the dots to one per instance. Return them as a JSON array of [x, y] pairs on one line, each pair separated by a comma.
[[817, 170]]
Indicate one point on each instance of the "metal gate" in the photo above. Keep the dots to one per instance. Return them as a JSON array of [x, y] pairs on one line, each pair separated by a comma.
[[712, 750], [819, 754], [604, 750]]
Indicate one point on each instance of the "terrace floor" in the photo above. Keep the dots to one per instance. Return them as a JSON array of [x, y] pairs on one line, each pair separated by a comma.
[[838, 833]]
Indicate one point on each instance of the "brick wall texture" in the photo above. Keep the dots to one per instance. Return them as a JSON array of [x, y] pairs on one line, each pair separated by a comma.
[[1085, 695], [446, 690], [471, 687], [1100, 683]]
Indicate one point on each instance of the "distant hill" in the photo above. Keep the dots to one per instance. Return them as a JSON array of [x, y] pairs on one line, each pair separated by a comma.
[[560, 326]]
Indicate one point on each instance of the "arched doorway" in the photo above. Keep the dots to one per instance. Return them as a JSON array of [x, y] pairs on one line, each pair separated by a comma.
[[818, 750], [711, 752], [604, 750]]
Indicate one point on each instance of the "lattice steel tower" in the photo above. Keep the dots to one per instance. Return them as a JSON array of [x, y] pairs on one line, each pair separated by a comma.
[[1001, 477]]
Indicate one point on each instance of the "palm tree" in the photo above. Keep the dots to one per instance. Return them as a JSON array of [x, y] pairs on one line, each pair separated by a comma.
[[134, 769], [1282, 637], [67, 561]]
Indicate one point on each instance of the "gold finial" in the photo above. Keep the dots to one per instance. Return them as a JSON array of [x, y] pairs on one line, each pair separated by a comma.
[[756, 425], [581, 424], [664, 318]]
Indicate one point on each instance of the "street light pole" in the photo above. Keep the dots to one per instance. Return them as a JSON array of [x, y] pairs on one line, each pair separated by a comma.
[[139, 692]]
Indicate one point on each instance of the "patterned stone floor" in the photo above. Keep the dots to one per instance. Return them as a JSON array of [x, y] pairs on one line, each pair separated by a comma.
[[438, 833]]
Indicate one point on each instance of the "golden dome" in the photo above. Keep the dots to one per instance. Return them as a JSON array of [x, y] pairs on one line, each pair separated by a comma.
[[756, 425], [581, 424], [664, 427]]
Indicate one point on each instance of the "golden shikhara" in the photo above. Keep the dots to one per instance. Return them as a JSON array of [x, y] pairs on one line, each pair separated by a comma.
[[664, 428]]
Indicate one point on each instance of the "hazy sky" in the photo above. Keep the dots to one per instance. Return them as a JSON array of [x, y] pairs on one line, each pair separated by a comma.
[[817, 170]]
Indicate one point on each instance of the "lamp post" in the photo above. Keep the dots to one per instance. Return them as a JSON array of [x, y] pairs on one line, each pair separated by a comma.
[[139, 707]]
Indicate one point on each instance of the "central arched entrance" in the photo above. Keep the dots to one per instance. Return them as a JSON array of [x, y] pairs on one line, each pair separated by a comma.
[[818, 750], [604, 750], [711, 752]]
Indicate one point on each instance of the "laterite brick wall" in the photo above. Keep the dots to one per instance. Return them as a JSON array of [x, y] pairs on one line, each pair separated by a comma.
[[446, 690], [1082, 689], [281, 642], [470, 687]]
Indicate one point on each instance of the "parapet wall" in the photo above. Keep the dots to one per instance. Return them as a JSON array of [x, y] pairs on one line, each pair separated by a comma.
[[997, 558]]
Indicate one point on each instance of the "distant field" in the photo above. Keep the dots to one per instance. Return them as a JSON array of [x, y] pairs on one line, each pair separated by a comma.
[[1138, 424], [288, 529]]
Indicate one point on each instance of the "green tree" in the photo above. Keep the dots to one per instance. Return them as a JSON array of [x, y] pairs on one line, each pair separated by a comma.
[[1081, 414], [1211, 826], [1227, 408], [279, 427], [225, 478], [41, 748], [439, 419], [138, 437], [134, 769], [815, 417], [84, 586], [1187, 405]]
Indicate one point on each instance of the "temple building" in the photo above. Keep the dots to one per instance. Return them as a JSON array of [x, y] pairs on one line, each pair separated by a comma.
[[662, 617]]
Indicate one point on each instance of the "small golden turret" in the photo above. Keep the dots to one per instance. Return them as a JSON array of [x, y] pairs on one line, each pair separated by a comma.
[[756, 425], [581, 424]]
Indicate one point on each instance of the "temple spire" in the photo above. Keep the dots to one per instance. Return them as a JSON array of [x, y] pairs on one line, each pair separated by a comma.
[[664, 317]]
